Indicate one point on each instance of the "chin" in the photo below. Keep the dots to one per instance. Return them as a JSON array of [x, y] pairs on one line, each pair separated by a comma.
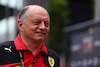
[[40, 39]]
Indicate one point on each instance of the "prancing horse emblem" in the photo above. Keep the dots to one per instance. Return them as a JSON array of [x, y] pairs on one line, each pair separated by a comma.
[[51, 61], [9, 49]]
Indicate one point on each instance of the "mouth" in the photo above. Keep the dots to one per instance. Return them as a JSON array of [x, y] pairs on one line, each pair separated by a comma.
[[41, 33]]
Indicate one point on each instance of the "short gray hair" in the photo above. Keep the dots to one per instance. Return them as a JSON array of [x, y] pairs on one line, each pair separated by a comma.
[[23, 14]]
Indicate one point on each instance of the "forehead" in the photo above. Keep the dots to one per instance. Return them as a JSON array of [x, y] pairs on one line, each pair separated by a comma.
[[37, 12]]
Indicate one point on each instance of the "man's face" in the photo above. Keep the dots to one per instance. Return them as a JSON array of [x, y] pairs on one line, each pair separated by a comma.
[[37, 25]]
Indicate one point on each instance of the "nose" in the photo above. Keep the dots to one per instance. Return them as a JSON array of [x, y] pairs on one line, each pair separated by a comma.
[[42, 26]]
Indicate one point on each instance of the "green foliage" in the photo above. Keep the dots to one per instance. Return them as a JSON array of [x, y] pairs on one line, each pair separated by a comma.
[[58, 10]]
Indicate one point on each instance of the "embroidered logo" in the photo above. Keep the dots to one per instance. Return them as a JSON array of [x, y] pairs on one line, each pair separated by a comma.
[[9, 49], [51, 61]]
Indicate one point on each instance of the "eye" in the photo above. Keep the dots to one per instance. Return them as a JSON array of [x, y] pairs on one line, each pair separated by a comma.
[[46, 23], [36, 22]]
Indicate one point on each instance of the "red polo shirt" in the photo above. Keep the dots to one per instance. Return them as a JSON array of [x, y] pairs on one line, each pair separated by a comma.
[[10, 57]]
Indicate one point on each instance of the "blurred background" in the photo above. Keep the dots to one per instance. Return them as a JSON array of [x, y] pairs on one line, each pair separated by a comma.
[[74, 32]]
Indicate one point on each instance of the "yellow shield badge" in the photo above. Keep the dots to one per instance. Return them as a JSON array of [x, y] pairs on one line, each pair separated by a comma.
[[51, 61]]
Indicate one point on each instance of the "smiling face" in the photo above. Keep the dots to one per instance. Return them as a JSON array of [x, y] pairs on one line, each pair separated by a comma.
[[36, 25]]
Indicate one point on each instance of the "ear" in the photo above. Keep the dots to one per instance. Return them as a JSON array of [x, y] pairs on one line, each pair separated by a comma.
[[20, 25]]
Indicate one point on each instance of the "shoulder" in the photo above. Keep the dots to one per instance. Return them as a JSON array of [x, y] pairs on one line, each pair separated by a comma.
[[52, 53], [8, 52], [53, 57], [6, 44]]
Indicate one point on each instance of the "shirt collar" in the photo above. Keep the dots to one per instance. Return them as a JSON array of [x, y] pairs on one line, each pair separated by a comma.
[[21, 46], [43, 48]]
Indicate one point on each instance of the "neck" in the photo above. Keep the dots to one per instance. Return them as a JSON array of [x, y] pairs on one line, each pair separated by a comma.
[[32, 45]]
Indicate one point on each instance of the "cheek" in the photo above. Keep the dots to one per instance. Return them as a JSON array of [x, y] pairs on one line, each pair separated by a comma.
[[48, 30], [34, 27]]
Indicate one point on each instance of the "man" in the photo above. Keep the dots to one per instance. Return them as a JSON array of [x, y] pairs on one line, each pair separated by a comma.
[[28, 49]]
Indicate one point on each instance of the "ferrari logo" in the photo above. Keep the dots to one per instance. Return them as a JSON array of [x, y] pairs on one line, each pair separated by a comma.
[[51, 61]]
